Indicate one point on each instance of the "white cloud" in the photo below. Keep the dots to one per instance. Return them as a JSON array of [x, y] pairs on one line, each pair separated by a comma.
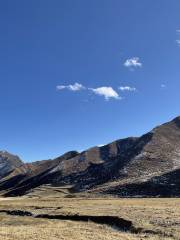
[[74, 87], [60, 87], [133, 63], [178, 30], [127, 88], [106, 92]]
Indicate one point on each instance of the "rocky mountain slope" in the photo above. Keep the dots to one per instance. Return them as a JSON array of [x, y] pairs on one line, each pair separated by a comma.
[[10, 164], [145, 166]]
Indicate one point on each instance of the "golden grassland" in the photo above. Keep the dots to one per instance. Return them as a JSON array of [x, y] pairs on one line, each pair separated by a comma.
[[157, 218]]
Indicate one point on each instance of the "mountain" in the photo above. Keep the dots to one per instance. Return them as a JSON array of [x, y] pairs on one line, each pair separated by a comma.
[[137, 166], [9, 163]]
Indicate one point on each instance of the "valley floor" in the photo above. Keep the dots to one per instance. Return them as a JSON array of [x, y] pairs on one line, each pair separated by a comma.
[[53, 218]]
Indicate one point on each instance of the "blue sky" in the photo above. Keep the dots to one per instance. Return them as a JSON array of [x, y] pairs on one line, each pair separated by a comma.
[[74, 74]]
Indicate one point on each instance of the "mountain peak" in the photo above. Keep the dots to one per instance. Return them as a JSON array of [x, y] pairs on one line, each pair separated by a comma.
[[8, 163]]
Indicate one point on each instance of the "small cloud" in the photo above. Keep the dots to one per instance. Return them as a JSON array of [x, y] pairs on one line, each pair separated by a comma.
[[178, 42], [163, 86], [60, 87], [178, 34], [127, 88], [106, 92], [132, 63], [74, 87]]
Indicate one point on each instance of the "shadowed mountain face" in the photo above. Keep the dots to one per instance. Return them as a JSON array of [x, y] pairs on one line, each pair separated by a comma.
[[144, 166]]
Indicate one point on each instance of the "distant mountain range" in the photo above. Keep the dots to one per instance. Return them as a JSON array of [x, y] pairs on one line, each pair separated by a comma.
[[146, 166]]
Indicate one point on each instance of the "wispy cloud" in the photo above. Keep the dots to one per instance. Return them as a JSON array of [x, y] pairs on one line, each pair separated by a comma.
[[163, 85], [127, 88], [132, 63], [74, 87], [106, 92], [178, 42], [178, 34]]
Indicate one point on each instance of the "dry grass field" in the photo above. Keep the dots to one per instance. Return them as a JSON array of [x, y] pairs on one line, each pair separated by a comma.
[[151, 218]]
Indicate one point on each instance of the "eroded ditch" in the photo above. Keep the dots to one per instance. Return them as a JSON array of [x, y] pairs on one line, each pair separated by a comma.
[[115, 222]]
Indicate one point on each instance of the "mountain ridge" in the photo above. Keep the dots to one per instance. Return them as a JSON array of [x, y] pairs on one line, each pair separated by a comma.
[[134, 166]]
